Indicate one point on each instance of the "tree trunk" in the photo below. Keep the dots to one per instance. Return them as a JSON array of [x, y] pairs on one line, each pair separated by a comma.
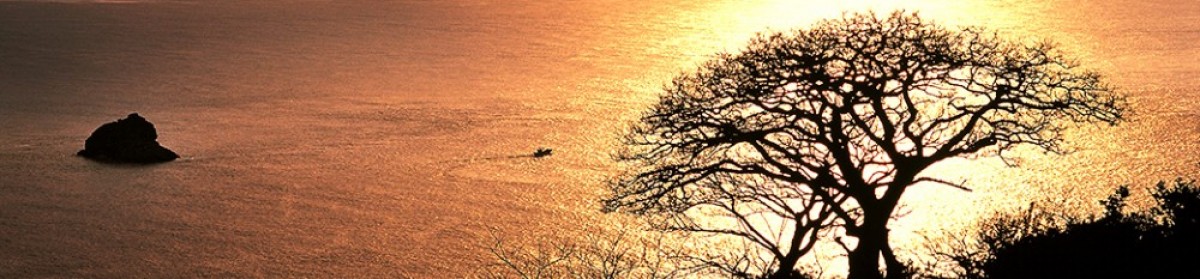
[[895, 269], [786, 269], [785, 274], [787, 264], [872, 239]]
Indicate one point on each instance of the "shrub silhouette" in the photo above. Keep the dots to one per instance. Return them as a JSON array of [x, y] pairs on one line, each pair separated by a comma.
[[1161, 242]]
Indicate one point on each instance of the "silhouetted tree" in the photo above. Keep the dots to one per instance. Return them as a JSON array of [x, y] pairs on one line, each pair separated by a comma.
[[843, 118]]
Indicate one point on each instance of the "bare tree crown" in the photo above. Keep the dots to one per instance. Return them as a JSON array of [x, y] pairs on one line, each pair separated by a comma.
[[848, 113], [857, 99]]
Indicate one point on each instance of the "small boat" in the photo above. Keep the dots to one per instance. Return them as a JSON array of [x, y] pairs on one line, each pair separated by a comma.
[[542, 152]]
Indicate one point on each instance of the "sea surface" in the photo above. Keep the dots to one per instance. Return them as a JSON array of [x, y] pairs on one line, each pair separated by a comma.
[[365, 139]]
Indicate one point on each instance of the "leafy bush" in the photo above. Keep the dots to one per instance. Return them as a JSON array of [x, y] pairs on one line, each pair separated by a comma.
[[1161, 242]]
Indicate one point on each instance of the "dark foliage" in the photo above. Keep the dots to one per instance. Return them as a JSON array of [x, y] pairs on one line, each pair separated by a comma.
[[1162, 242]]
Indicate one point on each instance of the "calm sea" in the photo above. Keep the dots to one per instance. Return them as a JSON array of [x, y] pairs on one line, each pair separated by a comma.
[[385, 138]]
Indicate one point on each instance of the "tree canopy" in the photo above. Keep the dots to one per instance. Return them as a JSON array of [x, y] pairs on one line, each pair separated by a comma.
[[827, 127]]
